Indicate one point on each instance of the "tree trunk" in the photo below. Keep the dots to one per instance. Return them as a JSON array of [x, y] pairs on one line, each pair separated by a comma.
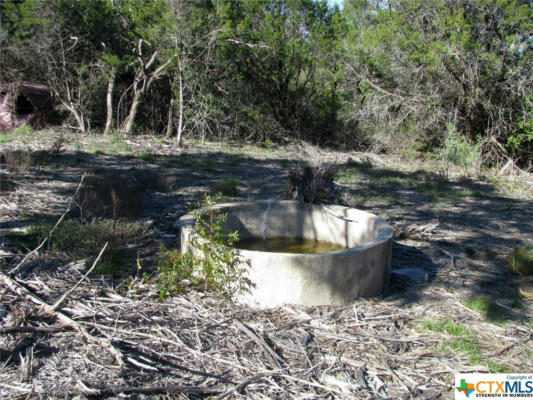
[[127, 125], [78, 115], [141, 84], [168, 131], [68, 103], [109, 102], [170, 118], [179, 133]]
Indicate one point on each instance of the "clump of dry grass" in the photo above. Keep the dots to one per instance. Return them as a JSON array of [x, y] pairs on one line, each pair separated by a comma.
[[6, 183], [110, 195], [19, 160], [520, 260], [79, 240], [312, 184]]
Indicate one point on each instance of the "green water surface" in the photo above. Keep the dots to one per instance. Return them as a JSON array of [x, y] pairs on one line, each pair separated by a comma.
[[288, 245]]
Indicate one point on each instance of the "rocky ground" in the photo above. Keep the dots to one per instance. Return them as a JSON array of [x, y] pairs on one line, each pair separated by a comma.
[[454, 305]]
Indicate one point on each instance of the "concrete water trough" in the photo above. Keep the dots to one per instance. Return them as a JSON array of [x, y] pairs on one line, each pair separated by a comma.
[[359, 269]]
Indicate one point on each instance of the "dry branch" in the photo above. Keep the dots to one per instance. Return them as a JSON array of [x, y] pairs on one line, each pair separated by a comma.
[[34, 329], [13, 270], [20, 290], [274, 358], [104, 391], [56, 305], [242, 385]]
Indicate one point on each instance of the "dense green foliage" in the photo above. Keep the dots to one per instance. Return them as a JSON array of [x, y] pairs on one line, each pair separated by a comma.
[[387, 75], [424, 65]]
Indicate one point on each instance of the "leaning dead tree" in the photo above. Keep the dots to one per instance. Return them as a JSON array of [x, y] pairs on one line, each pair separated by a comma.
[[143, 79], [312, 184]]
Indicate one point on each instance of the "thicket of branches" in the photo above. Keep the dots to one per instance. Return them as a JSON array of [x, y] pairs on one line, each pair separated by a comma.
[[396, 75]]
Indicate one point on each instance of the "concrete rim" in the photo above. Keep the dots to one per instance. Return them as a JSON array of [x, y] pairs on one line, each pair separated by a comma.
[[385, 231]]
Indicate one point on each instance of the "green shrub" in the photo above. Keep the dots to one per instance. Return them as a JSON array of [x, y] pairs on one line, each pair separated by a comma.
[[523, 134], [268, 144], [176, 271], [152, 179], [457, 150], [520, 260], [213, 263], [109, 194], [227, 186]]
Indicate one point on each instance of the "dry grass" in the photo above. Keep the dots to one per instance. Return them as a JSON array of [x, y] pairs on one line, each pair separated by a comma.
[[109, 194]]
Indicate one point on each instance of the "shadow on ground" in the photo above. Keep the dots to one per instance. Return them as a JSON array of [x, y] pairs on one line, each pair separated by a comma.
[[436, 218]]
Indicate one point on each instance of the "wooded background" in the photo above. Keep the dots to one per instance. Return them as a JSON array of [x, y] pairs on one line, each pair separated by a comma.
[[448, 77]]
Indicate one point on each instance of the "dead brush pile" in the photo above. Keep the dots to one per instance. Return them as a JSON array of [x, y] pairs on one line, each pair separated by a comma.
[[310, 184], [125, 342]]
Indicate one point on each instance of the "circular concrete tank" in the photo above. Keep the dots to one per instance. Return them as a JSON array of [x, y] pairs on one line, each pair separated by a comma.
[[360, 269]]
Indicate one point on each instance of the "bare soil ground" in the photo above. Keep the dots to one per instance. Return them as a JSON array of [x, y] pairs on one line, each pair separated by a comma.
[[112, 336]]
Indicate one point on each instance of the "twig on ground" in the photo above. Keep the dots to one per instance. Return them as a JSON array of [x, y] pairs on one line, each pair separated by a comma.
[[449, 254], [242, 385], [274, 358], [56, 305], [34, 329], [95, 391]]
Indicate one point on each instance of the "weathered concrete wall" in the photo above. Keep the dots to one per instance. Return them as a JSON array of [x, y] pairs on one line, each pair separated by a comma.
[[310, 279]]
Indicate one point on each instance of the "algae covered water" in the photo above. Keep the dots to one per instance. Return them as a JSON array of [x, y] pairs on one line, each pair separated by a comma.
[[288, 245]]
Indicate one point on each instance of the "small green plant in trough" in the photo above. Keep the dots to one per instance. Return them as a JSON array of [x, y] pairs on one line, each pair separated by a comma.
[[212, 264]]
